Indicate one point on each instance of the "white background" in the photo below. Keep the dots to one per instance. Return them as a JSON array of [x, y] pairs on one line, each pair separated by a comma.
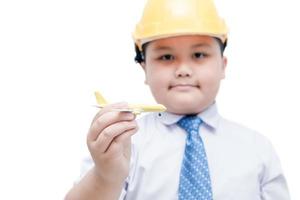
[[54, 54]]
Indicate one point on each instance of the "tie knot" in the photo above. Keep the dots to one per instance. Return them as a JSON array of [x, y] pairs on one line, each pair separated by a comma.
[[190, 123]]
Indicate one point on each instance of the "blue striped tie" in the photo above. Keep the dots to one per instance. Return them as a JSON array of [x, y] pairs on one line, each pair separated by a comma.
[[194, 181]]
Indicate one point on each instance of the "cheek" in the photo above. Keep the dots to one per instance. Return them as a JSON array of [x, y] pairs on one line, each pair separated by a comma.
[[210, 77], [157, 76], [156, 80]]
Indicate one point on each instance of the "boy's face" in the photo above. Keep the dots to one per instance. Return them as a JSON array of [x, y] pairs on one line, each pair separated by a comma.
[[184, 72]]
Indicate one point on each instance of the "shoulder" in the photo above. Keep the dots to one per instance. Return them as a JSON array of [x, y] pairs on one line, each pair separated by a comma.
[[150, 122], [239, 130], [146, 125], [147, 119], [247, 137]]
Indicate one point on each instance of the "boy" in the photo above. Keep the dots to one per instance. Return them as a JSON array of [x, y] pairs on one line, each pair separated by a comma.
[[190, 151]]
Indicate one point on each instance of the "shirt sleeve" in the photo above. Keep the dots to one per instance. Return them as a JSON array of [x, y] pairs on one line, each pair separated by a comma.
[[273, 182]]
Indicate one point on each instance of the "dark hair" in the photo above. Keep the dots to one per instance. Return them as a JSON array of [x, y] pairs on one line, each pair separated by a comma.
[[141, 55]]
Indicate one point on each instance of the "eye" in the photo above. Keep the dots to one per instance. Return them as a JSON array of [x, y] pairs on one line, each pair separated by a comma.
[[199, 55], [166, 57]]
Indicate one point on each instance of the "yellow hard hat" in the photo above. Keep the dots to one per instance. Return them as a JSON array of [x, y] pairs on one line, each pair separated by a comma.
[[167, 18]]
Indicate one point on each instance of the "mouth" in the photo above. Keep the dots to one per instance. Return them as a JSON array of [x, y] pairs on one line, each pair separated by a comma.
[[183, 87]]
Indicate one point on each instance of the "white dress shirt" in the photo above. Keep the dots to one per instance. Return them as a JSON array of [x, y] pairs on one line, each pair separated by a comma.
[[242, 163]]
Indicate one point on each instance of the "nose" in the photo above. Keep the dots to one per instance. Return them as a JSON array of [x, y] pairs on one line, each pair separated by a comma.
[[183, 70]]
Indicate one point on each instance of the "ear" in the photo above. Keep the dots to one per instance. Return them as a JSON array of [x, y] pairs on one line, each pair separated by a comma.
[[143, 65], [224, 65]]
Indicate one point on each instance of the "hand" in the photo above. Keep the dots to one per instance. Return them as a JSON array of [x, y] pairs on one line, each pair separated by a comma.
[[109, 142]]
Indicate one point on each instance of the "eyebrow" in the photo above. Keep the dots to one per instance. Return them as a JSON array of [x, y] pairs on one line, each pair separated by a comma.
[[162, 48], [201, 45]]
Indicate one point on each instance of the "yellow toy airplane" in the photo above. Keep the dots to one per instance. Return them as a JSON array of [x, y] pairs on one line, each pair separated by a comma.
[[134, 108]]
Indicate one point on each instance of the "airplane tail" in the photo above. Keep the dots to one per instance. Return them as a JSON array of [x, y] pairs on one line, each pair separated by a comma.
[[100, 99]]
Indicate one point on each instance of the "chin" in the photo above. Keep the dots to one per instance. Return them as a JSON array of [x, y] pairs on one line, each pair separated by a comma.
[[187, 106], [184, 109]]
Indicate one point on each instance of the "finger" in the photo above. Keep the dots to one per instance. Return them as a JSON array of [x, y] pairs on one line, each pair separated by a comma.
[[121, 143], [105, 120], [111, 132], [109, 107]]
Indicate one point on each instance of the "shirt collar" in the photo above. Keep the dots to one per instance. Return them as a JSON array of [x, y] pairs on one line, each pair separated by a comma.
[[209, 116]]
